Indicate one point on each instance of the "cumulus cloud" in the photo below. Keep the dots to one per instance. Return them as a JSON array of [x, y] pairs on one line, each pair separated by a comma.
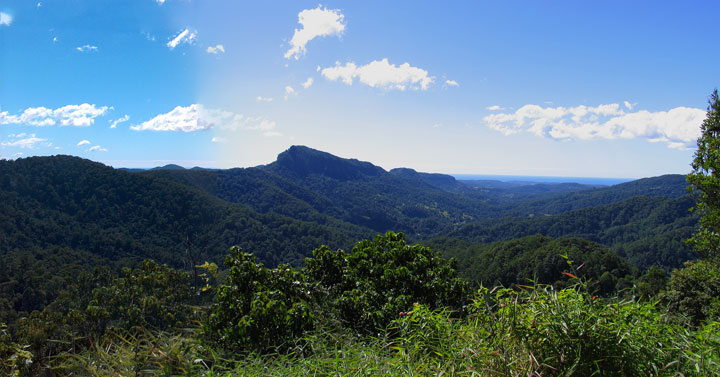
[[264, 99], [216, 50], [120, 120], [25, 141], [71, 115], [451, 83], [83, 142], [678, 127], [97, 148], [184, 36], [87, 48], [380, 74], [289, 91], [196, 117], [308, 82], [5, 19], [316, 22]]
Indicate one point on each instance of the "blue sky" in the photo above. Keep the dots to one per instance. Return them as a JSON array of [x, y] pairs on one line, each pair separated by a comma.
[[603, 89]]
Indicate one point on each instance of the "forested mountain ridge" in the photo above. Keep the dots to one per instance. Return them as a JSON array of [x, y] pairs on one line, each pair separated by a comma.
[[70, 202], [283, 210]]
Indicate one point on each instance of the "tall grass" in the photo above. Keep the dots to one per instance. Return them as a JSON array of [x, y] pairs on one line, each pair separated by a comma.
[[533, 331]]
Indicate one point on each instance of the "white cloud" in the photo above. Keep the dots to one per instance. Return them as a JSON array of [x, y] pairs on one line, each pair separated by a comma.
[[83, 142], [5, 19], [264, 99], [184, 36], [678, 127], [87, 48], [495, 108], [198, 118], [215, 50], [55, 39], [316, 22], [289, 91], [97, 148], [39, 4], [451, 83], [120, 120], [161, 2], [381, 74], [70, 115], [307, 82], [219, 140], [25, 141], [184, 119]]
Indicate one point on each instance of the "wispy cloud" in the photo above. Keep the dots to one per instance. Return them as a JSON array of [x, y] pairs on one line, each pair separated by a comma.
[[495, 108], [264, 99], [316, 22], [71, 115], [381, 74], [217, 139], [120, 120], [451, 83], [87, 48], [196, 117], [5, 19], [678, 127], [97, 148], [83, 142], [184, 36], [216, 49], [25, 141]]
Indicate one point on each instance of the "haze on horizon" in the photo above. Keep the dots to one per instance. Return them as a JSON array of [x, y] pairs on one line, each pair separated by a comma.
[[564, 89]]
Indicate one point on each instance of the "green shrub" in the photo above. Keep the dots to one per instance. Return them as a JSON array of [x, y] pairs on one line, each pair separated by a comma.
[[258, 308], [693, 293], [381, 278]]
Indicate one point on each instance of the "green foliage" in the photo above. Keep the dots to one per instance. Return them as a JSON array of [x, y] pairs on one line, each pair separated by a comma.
[[152, 296], [14, 359], [538, 259], [705, 181], [138, 353], [693, 292], [383, 277], [258, 308], [652, 282], [532, 332], [263, 309]]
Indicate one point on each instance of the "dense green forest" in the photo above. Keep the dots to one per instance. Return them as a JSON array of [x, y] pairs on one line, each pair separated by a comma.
[[103, 268]]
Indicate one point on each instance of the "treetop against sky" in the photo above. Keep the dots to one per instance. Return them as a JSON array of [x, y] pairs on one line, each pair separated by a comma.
[[606, 89]]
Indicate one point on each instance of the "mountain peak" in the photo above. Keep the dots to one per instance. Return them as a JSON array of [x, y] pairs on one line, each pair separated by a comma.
[[302, 161]]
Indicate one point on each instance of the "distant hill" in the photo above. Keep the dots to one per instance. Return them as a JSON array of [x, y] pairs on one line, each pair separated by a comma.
[[283, 210], [69, 202], [646, 230], [314, 185]]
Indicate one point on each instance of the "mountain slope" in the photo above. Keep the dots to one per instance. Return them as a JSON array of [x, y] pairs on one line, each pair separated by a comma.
[[645, 230], [70, 202]]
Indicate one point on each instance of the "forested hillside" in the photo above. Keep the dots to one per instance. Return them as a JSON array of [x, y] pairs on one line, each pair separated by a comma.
[[73, 234], [70, 202]]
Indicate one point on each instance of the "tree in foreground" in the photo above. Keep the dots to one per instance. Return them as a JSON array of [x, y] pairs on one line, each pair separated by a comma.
[[693, 291], [705, 181]]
